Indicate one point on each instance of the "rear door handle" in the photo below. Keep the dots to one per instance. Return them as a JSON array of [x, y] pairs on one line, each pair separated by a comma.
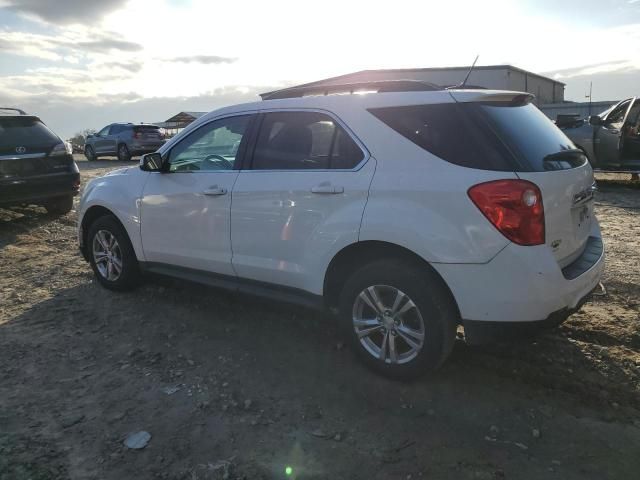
[[327, 189], [215, 190]]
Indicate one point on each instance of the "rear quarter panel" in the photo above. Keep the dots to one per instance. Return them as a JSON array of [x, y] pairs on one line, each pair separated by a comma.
[[420, 201]]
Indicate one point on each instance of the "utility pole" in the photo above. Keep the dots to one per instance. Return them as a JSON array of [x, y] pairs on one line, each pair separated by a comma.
[[589, 97]]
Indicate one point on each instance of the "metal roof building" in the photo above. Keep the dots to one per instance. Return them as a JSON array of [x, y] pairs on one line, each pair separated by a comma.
[[180, 120], [499, 77]]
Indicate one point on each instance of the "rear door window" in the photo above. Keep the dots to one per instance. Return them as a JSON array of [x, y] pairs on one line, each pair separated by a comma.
[[28, 132], [304, 141]]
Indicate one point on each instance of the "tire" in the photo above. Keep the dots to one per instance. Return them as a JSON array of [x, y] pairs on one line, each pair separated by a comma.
[[106, 271], [89, 153], [428, 308], [123, 153], [60, 206]]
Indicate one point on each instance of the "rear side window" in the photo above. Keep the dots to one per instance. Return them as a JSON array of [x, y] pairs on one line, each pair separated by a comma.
[[448, 132], [529, 134], [303, 141], [25, 132], [486, 136]]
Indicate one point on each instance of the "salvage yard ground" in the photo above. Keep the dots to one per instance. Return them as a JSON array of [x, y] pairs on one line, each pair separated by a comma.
[[233, 387]]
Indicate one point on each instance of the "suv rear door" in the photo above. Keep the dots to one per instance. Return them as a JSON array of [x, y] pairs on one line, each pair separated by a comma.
[[300, 199]]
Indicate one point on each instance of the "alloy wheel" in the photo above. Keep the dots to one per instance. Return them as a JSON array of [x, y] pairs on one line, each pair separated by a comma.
[[107, 255], [388, 324]]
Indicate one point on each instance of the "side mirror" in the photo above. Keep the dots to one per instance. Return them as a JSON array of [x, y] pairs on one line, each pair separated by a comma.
[[595, 120], [151, 162]]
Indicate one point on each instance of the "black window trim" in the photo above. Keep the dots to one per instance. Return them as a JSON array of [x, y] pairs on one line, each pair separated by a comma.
[[247, 138], [258, 125]]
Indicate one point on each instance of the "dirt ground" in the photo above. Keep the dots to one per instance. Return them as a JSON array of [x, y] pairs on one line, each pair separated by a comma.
[[231, 387]]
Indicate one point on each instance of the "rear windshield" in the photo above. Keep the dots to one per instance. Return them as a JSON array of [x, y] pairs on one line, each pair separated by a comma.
[[146, 128], [25, 132], [493, 136]]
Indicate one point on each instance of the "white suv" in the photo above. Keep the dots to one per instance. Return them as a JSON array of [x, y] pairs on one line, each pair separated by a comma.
[[407, 210]]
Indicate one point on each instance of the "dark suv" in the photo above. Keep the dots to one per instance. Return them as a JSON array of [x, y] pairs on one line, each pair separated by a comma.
[[36, 166], [124, 140]]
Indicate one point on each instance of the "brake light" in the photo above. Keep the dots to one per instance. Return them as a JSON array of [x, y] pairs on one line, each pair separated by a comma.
[[514, 207]]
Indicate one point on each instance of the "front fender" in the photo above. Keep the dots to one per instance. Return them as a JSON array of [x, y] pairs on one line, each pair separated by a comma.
[[119, 192]]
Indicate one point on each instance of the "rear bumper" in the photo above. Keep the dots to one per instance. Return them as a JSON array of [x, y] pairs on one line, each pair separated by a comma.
[[138, 148], [38, 189], [482, 332], [524, 284]]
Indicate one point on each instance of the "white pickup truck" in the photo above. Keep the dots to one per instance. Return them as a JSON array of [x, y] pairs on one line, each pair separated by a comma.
[[611, 139]]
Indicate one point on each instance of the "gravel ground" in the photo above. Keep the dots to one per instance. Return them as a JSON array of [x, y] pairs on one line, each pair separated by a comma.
[[232, 387]]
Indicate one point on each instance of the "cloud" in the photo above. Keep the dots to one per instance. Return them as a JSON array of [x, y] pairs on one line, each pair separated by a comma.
[[133, 67], [103, 45], [67, 114], [66, 45], [591, 69], [205, 59], [65, 11]]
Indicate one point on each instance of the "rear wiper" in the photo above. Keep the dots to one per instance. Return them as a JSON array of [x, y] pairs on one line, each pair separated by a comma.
[[564, 159]]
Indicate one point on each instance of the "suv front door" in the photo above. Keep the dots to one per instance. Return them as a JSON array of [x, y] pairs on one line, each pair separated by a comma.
[[300, 199], [608, 138], [100, 145], [185, 211]]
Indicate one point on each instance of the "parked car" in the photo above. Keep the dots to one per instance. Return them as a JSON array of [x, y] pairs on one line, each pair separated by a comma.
[[407, 212], [36, 166], [124, 140], [611, 139]]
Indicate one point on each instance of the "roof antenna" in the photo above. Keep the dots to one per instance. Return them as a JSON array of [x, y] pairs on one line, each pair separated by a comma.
[[464, 82]]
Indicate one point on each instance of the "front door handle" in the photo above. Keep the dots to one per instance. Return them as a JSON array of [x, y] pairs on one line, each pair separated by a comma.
[[327, 189], [215, 190]]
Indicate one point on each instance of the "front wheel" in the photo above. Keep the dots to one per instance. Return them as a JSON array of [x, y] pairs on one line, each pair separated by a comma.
[[123, 153], [111, 255], [90, 153], [399, 318]]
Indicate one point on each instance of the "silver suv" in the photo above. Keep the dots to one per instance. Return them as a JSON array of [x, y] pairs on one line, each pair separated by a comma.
[[124, 140]]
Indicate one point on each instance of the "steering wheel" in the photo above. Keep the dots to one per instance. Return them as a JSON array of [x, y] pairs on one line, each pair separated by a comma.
[[219, 159]]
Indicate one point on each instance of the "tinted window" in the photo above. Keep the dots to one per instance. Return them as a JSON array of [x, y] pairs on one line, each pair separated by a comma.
[[529, 134], [213, 146], [302, 141], [115, 129], [449, 131], [25, 132]]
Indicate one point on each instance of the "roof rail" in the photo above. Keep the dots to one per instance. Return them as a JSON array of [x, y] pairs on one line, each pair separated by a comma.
[[17, 110], [381, 86]]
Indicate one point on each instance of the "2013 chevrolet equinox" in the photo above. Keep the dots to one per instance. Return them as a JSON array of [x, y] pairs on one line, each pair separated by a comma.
[[408, 210]]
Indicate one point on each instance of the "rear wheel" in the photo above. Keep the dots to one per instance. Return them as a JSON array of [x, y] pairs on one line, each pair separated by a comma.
[[89, 153], [60, 206], [123, 153], [399, 318], [111, 255]]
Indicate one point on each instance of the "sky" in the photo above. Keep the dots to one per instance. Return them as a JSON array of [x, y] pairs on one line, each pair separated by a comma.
[[83, 64]]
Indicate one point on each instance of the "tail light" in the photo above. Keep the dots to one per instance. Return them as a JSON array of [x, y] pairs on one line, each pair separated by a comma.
[[514, 207]]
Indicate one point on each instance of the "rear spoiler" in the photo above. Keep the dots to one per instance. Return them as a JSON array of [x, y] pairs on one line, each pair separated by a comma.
[[488, 96]]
